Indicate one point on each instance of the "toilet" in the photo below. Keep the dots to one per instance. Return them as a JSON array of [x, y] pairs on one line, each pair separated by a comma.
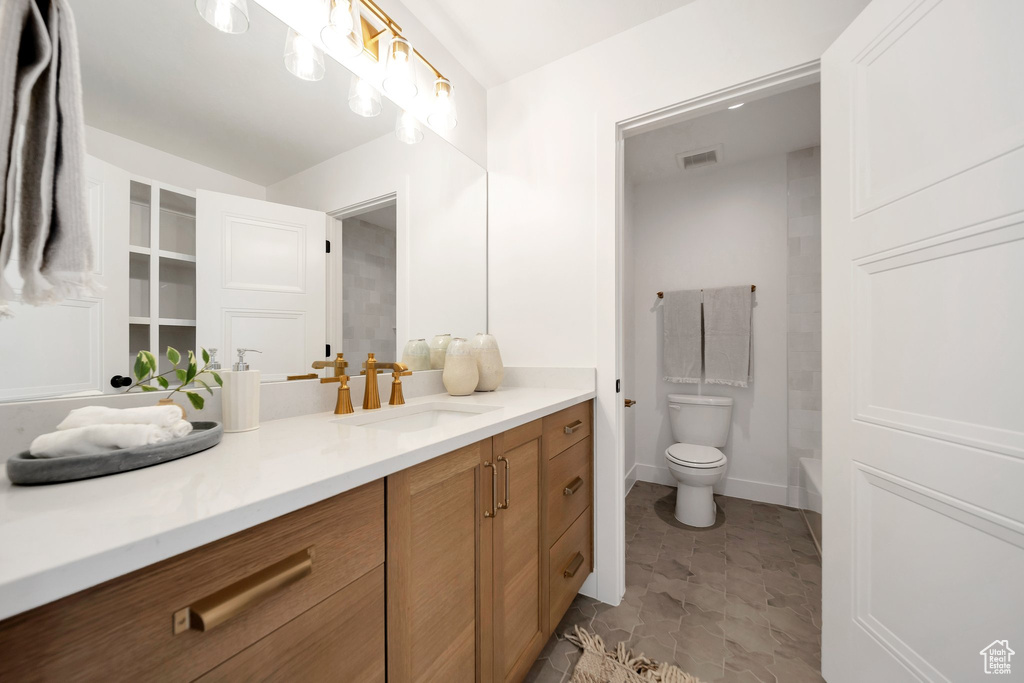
[[700, 425]]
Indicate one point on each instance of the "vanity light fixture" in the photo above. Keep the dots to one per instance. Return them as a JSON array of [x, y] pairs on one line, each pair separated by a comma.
[[736, 106], [442, 110], [363, 98], [399, 74], [229, 16], [343, 32], [408, 128], [302, 57]]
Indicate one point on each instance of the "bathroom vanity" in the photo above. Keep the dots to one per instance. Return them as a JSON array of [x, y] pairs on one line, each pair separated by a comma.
[[447, 554]]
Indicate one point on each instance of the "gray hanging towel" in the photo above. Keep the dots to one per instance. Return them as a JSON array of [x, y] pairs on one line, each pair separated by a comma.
[[681, 353], [43, 146], [727, 335]]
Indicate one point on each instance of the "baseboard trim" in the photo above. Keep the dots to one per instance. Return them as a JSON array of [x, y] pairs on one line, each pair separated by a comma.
[[737, 488], [630, 479]]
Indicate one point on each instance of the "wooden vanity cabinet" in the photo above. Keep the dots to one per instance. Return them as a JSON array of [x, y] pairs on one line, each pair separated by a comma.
[[485, 553], [267, 595]]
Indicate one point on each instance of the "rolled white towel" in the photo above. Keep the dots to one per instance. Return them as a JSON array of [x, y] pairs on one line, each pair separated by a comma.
[[180, 428], [97, 439], [159, 416]]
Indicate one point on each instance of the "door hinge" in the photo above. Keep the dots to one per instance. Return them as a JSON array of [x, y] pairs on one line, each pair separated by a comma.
[[328, 246]]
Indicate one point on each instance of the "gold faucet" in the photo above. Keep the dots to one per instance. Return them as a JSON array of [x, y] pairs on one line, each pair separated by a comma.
[[371, 397], [343, 406], [399, 370], [339, 364]]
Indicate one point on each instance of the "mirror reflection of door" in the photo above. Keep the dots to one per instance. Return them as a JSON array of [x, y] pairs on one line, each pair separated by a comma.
[[368, 258]]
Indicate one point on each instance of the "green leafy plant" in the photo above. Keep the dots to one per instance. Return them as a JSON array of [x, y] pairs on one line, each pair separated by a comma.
[[145, 372]]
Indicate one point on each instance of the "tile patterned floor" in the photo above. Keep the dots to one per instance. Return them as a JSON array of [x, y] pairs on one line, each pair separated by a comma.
[[740, 601]]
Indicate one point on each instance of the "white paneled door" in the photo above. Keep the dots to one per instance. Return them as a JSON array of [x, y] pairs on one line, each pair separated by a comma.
[[260, 282], [923, 333], [77, 345]]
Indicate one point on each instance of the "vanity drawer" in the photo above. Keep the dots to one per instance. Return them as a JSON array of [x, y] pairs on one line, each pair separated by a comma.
[[341, 639], [570, 562], [273, 573], [570, 486], [566, 427]]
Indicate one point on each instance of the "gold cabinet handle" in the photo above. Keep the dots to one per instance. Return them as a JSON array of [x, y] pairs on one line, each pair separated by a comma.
[[574, 566], [493, 512], [572, 427], [630, 403], [573, 487], [508, 485], [220, 606]]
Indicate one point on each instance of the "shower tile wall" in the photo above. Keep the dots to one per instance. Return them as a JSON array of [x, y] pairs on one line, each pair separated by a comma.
[[803, 170], [368, 290]]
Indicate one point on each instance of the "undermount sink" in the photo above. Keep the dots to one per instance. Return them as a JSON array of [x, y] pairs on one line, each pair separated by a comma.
[[414, 418]]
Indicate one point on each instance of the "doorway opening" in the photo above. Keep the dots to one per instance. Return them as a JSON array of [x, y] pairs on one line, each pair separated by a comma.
[[362, 280]]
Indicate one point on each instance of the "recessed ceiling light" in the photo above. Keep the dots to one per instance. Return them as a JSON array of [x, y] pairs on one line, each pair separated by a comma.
[[736, 106]]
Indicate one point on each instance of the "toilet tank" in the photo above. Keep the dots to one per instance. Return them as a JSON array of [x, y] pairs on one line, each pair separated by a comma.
[[700, 420]]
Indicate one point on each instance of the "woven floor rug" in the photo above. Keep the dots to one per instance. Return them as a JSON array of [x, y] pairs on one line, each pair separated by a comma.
[[597, 665]]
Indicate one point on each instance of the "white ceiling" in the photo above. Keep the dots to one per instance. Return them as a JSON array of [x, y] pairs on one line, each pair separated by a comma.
[[774, 125], [153, 71], [497, 41]]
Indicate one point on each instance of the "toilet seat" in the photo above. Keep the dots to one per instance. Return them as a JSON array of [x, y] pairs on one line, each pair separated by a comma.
[[692, 455]]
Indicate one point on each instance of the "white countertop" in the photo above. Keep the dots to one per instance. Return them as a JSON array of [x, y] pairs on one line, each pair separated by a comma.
[[57, 540]]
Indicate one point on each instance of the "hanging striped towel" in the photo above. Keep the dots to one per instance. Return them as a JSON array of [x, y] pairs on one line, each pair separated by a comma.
[[681, 355], [727, 336]]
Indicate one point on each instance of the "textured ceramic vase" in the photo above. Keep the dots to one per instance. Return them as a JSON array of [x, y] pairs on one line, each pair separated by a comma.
[[488, 362], [438, 347], [416, 355], [460, 374]]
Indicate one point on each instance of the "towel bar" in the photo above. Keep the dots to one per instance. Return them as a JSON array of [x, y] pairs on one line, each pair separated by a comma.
[[661, 295]]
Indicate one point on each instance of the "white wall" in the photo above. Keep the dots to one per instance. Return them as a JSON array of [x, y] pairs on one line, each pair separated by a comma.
[[139, 159], [551, 155], [714, 227], [441, 225]]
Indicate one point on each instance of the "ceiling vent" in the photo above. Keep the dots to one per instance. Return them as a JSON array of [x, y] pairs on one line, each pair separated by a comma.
[[699, 158]]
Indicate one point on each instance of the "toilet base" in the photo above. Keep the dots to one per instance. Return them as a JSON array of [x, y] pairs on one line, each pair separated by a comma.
[[695, 505]]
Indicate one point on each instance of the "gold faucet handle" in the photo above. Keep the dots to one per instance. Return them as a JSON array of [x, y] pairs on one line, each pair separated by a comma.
[[340, 378], [338, 364], [400, 370]]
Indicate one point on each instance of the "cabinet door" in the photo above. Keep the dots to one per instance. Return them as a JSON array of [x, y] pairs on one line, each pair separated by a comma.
[[519, 612], [439, 568], [89, 329], [341, 639]]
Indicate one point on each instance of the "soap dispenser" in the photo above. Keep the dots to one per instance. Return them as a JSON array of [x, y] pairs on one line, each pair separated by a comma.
[[241, 396]]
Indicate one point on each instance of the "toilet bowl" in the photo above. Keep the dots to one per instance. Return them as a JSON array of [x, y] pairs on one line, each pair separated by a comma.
[[700, 425]]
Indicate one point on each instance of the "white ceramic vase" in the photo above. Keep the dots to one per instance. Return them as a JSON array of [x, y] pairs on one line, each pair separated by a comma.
[[488, 362], [416, 355], [438, 347], [460, 375]]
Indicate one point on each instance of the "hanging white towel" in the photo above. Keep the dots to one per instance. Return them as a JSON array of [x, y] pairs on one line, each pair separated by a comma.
[[42, 142], [727, 336], [160, 416], [681, 354]]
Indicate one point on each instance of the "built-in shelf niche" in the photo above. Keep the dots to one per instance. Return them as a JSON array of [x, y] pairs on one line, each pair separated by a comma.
[[162, 250]]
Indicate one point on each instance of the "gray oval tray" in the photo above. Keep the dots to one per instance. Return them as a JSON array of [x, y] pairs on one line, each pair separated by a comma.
[[26, 470]]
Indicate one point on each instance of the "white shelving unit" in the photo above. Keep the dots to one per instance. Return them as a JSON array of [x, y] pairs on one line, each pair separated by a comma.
[[162, 269]]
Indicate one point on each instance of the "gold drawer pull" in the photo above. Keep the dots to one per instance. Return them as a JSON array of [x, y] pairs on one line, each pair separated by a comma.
[[220, 606], [493, 512], [573, 486], [574, 566], [572, 427]]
